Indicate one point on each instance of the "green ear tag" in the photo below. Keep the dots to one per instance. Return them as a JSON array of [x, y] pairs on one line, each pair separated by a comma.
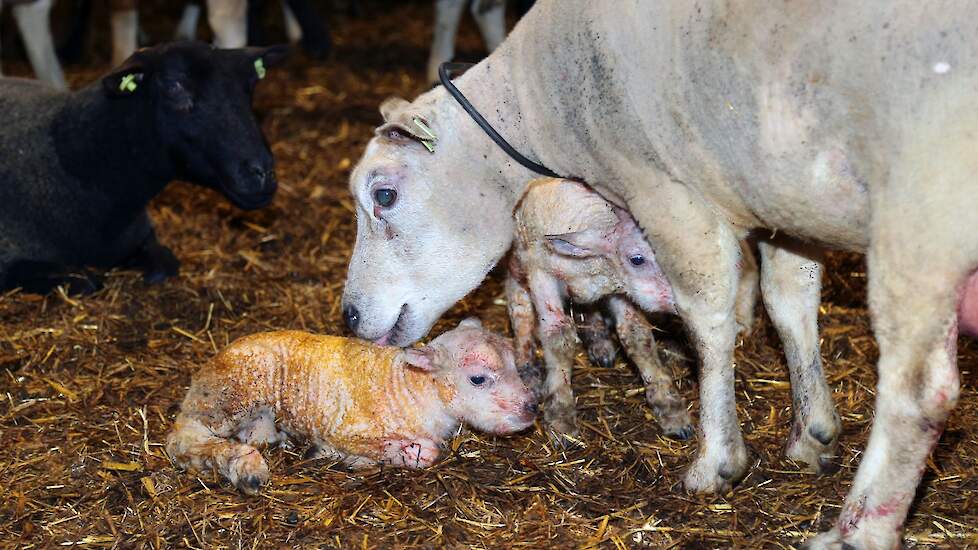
[[128, 83], [429, 139], [260, 68]]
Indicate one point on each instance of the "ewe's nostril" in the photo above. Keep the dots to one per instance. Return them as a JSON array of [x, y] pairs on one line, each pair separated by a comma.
[[352, 317]]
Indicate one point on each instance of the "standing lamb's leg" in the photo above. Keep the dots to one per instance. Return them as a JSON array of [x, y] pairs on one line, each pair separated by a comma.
[[523, 320], [448, 13], [636, 337], [595, 333], [791, 277], [490, 16], [746, 289], [33, 20], [229, 21], [558, 337], [125, 30], [699, 255]]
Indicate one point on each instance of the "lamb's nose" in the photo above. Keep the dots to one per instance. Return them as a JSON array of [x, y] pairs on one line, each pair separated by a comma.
[[531, 408], [352, 317]]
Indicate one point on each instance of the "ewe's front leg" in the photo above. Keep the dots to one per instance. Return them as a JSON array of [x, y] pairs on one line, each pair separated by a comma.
[[156, 261], [791, 280], [558, 338], [636, 337], [699, 256]]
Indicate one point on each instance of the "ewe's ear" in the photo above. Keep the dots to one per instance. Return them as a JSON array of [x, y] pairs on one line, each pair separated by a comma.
[[125, 81], [421, 358], [579, 244], [470, 322], [391, 106]]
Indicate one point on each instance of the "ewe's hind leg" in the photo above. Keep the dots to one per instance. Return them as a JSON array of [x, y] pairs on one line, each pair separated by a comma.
[[558, 337], [791, 279], [636, 337], [746, 290], [921, 250], [699, 255]]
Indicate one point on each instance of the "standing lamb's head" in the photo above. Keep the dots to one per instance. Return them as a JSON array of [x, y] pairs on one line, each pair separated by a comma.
[[429, 225], [196, 100], [477, 371], [594, 247]]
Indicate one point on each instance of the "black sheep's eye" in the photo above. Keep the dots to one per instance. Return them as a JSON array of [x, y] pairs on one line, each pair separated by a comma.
[[637, 259], [477, 380], [385, 197]]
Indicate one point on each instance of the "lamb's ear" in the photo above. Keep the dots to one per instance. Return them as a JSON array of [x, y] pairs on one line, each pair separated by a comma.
[[579, 244], [470, 322], [124, 81], [421, 358], [391, 106]]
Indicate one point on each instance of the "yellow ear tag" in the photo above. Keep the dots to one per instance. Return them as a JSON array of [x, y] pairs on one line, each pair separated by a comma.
[[260, 68], [128, 83]]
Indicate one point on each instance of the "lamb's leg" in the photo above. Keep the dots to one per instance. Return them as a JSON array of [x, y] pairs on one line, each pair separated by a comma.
[[636, 337], [595, 334], [918, 260], [791, 279], [197, 443], [699, 257], [523, 320], [746, 289], [448, 13], [410, 453], [229, 21], [490, 16], [33, 20], [558, 338]]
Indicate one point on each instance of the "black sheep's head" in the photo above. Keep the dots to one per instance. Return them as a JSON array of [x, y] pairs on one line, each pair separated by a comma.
[[199, 100]]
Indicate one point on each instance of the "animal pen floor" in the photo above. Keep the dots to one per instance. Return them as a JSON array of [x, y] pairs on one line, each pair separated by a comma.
[[90, 385]]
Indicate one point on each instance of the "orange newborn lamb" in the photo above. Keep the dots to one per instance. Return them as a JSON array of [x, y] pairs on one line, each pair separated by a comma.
[[356, 402]]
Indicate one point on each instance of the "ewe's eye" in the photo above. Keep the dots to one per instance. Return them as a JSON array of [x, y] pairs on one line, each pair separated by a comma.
[[385, 197], [637, 259], [477, 380]]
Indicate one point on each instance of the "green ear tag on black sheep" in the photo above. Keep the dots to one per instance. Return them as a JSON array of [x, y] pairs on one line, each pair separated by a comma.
[[128, 83], [260, 68]]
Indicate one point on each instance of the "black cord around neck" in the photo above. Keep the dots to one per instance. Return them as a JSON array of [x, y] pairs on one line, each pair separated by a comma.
[[443, 76]]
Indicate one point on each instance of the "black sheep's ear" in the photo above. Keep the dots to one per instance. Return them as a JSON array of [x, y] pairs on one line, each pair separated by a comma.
[[124, 81]]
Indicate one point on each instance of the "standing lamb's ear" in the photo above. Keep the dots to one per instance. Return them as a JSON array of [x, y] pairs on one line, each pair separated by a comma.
[[470, 322], [421, 358], [579, 244]]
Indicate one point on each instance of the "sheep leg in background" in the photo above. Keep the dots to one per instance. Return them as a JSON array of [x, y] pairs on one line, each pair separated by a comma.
[[293, 30], [125, 29], [448, 13], [72, 49], [490, 16], [228, 20], [33, 20], [316, 40], [187, 27]]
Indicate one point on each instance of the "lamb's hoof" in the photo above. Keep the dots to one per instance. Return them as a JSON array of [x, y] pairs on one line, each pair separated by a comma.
[[814, 446], [248, 472], [717, 472], [602, 353], [561, 424], [531, 373], [682, 433]]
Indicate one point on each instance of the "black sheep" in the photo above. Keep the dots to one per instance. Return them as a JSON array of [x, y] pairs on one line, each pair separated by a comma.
[[78, 169]]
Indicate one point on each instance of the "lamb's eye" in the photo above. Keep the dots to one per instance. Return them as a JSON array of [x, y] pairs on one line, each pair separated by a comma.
[[385, 197], [637, 259], [477, 380]]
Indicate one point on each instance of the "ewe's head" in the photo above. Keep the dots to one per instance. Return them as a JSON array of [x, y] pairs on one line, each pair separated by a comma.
[[196, 101], [477, 370]]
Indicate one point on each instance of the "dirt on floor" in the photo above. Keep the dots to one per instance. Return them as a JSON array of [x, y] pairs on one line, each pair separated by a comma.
[[90, 385]]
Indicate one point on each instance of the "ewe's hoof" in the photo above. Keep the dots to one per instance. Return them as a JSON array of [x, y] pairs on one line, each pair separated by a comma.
[[717, 472], [815, 447]]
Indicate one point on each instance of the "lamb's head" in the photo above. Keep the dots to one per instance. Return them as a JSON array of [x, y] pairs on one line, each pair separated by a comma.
[[594, 247], [476, 371], [429, 228]]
